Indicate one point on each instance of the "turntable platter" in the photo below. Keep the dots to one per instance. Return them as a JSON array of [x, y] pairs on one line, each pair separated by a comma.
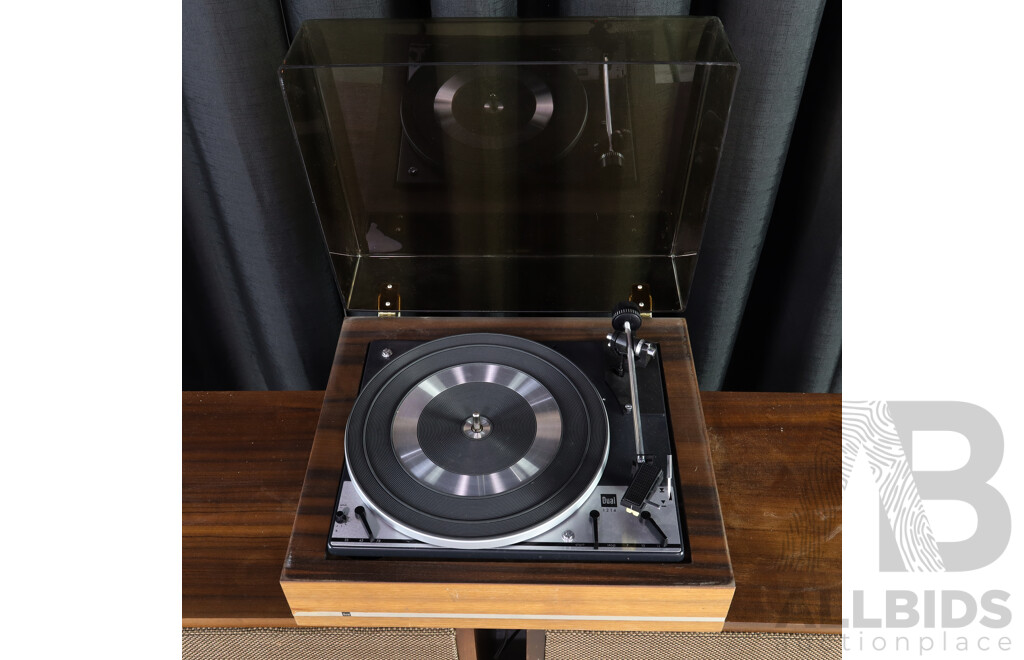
[[477, 441]]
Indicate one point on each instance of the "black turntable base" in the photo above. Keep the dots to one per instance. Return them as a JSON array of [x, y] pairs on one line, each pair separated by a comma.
[[494, 446]]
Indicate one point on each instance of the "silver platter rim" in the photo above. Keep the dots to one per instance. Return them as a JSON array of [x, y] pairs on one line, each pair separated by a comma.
[[505, 539], [421, 468], [491, 541]]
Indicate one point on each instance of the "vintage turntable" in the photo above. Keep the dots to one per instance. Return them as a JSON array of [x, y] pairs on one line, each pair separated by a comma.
[[488, 445], [490, 192]]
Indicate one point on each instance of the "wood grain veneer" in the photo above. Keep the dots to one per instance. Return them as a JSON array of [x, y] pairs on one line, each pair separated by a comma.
[[244, 458], [690, 596], [779, 460]]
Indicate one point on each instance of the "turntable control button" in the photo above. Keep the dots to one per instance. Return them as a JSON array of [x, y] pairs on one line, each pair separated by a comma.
[[649, 519], [568, 536], [361, 514]]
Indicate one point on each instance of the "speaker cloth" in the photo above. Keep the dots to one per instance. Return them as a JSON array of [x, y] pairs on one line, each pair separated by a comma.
[[476, 441]]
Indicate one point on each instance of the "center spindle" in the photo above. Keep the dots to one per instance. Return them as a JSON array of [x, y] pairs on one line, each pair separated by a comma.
[[477, 426]]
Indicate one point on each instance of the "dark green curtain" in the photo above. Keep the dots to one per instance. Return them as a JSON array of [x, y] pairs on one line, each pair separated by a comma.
[[260, 308]]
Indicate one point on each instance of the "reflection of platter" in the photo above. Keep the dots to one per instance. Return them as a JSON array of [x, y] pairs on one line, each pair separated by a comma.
[[489, 114]]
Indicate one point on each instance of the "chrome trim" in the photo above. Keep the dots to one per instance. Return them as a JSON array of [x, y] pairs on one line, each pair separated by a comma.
[[405, 440], [497, 541], [491, 541]]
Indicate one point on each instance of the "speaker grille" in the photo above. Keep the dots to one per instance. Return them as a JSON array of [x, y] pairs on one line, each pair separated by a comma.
[[587, 645], [317, 643]]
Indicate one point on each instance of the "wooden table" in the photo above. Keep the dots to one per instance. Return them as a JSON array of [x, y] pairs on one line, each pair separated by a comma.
[[776, 458]]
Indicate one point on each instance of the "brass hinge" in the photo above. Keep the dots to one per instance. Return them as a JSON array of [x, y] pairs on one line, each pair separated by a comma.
[[640, 294], [389, 302]]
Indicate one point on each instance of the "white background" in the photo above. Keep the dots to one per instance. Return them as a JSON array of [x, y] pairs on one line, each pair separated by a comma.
[[932, 237], [90, 329], [90, 278]]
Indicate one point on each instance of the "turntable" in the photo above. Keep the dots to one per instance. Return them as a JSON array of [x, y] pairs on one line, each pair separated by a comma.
[[513, 210], [503, 447]]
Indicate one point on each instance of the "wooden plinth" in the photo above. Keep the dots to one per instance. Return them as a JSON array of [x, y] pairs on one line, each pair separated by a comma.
[[491, 594], [777, 462]]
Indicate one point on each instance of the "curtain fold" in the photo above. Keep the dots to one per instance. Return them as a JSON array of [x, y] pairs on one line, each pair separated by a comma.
[[790, 338], [260, 306], [773, 41]]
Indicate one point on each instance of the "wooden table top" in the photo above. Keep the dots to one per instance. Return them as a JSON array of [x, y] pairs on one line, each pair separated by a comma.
[[777, 462]]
